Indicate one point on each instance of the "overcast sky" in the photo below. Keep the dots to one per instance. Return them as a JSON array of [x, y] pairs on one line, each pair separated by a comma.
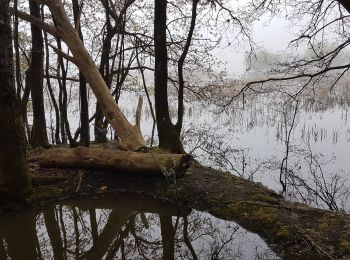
[[272, 35]]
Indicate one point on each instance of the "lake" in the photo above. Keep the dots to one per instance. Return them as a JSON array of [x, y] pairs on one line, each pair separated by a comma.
[[251, 141]]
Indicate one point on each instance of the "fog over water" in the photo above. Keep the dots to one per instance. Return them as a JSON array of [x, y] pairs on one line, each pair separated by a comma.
[[269, 35]]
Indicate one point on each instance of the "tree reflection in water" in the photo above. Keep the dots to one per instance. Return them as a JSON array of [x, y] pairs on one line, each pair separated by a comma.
[[124, 228]]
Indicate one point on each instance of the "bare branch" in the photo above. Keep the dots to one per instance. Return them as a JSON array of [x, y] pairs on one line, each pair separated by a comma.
[[298, 76], [64, 55], [37, 22]]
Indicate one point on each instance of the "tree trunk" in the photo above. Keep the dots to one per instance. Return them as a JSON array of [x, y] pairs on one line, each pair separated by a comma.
[[24, 105], [105, 159], [106, 69], [116, 220], [181, 62], [130, 135], [13, 165], [168, 237], [84, 105], [38, 133], [169, 138], [19, 85], [51, 92], [345, 4], [62, 69], [26, 225], [99, 130], [54, 233]]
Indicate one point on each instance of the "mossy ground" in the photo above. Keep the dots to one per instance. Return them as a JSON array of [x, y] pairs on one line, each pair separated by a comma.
[[293, 230]]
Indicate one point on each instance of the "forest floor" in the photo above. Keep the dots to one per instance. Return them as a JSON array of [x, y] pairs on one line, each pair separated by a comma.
[[292, 230]]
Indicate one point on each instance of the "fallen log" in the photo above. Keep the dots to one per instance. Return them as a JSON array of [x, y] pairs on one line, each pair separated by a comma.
[[113, 160]]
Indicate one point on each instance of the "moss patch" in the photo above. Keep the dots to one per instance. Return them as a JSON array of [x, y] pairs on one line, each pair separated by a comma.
[[44, 193]]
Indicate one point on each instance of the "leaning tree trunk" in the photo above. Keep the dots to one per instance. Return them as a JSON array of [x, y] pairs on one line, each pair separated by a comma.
[[169, 138], [35, 80], [13, 165], [129, 134]]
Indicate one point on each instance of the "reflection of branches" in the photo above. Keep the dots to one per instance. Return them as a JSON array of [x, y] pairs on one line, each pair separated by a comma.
[[322, 187], [217, 250], [187, 240], [210, 145], [124, 234], [168, 237], [64, 234], [284, 163], [93, 223], [116, 220], [54, 233], [76, 232], [117, 244]]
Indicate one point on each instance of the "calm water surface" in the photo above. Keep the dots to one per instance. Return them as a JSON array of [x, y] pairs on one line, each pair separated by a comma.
[[250, 141], [124, 227]]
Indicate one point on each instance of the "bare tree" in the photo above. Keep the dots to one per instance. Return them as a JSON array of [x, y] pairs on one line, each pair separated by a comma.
[[84, 105], [13, 165], [130, 135], [35, 81]]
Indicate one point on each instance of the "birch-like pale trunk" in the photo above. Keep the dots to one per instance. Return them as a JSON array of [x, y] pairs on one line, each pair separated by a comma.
[[130, 135]]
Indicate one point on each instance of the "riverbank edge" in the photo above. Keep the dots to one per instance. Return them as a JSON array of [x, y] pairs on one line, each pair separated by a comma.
[[292, 230]]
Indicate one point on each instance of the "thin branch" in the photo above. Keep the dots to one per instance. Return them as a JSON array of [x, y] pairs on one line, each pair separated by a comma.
[[299, 76], [64, 55], [29, 18]]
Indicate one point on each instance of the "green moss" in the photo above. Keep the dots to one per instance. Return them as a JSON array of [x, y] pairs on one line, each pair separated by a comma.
[[294, 217], [345, 246], [45, 193], [46, 180], [217, 198], [328, 222], [300, 209], [235, 180], [265, 197], [260, 214], [284, 232], [267, 215], [347, 226]]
